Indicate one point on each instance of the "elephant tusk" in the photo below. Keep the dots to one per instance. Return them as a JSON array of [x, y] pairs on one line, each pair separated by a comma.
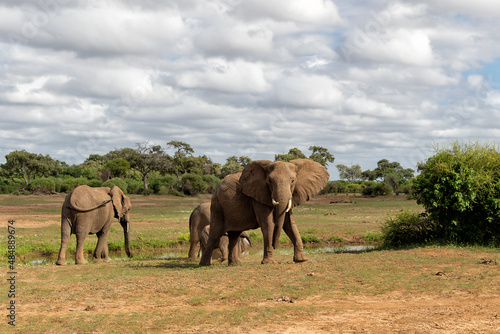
[[289, 205], [275, 203]]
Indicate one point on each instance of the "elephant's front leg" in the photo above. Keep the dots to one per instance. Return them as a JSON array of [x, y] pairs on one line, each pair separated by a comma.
[[101, 250], [265, 218], [293, 233]]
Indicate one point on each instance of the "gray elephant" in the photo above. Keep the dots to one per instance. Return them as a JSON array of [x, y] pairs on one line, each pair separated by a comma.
[[200, 217], [88, 210], [241, 246], [263, 195]]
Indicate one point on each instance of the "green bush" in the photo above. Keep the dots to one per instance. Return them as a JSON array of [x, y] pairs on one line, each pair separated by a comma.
[[373, 189], [47, 184], [459, 188], [193, 184], [335, 187], [408, 228], [407, 188], [310, 238], [95, 183], [67, 184], [134, 186], [354, 188], [164, 185], [6, 186], [116, 182], [212, 183]]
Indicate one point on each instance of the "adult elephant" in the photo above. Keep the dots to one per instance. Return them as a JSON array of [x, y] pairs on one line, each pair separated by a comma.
[[199, 218], [242, 245], [88, 210], [263, 195]]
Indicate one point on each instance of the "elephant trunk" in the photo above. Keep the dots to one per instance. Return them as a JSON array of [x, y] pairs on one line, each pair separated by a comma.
[[126, 234], [282, 204]]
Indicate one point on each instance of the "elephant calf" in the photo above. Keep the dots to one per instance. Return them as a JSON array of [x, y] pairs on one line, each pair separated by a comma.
[[88, 210], [243, 243], [200, 217]]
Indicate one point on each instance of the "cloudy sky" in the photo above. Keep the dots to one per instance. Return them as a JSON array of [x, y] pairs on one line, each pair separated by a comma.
[[368, 80]]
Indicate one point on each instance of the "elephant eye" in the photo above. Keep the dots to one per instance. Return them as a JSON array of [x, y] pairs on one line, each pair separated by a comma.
[[293, 180]]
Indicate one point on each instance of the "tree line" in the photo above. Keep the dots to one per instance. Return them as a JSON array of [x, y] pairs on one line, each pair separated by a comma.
[[148, 169]]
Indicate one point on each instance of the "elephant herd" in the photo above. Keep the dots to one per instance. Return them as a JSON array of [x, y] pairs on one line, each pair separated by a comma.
[[261, 195]]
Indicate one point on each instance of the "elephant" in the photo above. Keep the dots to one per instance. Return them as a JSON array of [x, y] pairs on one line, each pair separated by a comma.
[[223, 243], [88, 210], [200, 217], [263, 195]]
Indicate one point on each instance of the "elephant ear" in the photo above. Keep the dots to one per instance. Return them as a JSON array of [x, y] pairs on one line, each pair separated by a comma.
[[253, 182], [84, 198], [120, 201], [311, 178]]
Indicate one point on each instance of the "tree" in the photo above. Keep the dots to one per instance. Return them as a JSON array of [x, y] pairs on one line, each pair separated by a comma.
[[146, 159], [25, 165], [183, 161], [459, 187], [385, 168], [118, 167], [234, 164], [391, 173], [293, 153], [319, 154], [350, 174]]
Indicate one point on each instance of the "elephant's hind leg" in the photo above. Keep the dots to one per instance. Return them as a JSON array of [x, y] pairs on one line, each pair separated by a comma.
[[101, 249], [216, 232], [65, 236], [233, 249], [81, 234]]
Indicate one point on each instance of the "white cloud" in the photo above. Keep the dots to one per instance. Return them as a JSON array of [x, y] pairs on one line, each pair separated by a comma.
[[240, 40], [236, 77], [477, 8], [308, 91], [365, 106], [411, 47], [323, 12], [368, 80]]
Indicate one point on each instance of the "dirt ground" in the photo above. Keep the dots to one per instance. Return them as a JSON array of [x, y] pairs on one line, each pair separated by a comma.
[[395, 312]]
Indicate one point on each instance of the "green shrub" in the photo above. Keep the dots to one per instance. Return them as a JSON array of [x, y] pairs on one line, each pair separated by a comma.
[[46, 184], [335, 187], [67, 184], [164, 185], [459, 188], [335, 239], [354, 188], [212, 183], [373, 189], [373, 237], [310, 238], [6, 186], [408, 189], [408, 228], [95, 183], [193, 184], [116, 182], [134, 186]]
